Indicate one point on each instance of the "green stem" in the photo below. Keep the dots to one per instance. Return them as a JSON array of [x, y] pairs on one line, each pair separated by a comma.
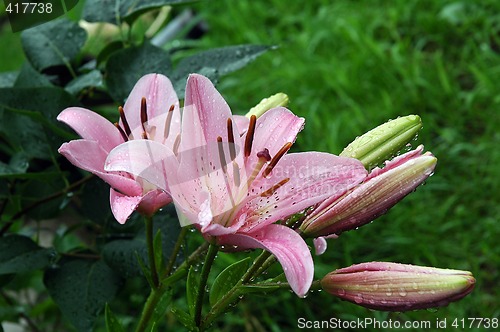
[[151, 253], [151, 303], [209, 259], [156, 294], [175, 252], [233, 294]]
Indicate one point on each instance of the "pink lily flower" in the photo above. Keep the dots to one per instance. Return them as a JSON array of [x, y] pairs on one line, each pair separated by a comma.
[[398, 287], [151, 111], [381, 190], [235, 187]]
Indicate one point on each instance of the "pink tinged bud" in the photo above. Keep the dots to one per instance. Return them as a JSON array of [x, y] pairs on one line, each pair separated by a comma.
[[398, 287], [381, 190]]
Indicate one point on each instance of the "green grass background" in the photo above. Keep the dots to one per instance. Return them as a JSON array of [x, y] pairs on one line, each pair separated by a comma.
[[347, 67]]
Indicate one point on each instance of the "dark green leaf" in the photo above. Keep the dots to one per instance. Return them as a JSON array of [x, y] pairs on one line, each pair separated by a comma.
[[161, 309], [108, 50], [53, 43], [227, 279], [8, 79], [20, 254], [30, 78], [81, 289], [192, 290], [216, 62], [18, 164], [184, 318], [125, 67], [119, 254], [116, 11], [112, 323], [92, 79]]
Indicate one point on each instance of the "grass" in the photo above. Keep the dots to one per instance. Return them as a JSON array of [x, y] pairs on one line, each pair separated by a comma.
[[348, 66]]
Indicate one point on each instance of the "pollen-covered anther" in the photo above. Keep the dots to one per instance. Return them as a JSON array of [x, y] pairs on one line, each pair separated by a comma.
[[269, 192], [249, 137], [126, 127], [168, 121], [276, 158], [222, 157], [230, 138], [124, 136], [144, 117]]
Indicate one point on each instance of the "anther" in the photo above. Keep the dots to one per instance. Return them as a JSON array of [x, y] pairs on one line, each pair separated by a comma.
[[230, 138], [276, 158], [168, 121], [144, 117], [222, 157], [272, 190], [124, 121], [124, 136], [249, 137]]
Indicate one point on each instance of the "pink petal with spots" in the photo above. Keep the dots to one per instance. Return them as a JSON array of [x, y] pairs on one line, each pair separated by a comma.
[[288, 247]]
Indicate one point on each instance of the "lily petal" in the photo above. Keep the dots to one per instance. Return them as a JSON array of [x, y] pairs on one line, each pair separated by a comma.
[[123, 206], [160, 96], [313, 177], [274, 129], [90, 156], [146, 159], [91, 126], [288, 247]]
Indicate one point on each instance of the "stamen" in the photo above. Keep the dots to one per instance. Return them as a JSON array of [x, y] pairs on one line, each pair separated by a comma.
[[272, 190], [124, 121], [124, 136], [276, 158], [249, 137], [222, 157], [144, 117], [177, 142], [230, 138], [236, 174], [168, 121]]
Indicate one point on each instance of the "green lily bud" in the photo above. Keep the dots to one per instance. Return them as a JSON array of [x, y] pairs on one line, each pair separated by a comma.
[[277, 100], [398, 287], [382, 142]]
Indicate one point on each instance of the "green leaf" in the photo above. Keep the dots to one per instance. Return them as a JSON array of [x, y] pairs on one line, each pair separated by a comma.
[[120, 254], [53, 43], [21, 254], [161, 309], [192, 289], [184, 318], [8, 79], [117, 11], [18, 164], [92, 79], [81, 288], [215, 63], [112, 323], [125, 67], [30, 78], [227, 279]]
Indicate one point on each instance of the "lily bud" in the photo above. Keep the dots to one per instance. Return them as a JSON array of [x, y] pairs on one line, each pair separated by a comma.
[[277, 100], [398, 287], [382, 142], [381, 190]]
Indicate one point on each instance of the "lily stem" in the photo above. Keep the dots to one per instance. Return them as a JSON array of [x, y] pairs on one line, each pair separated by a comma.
[[209, 259], [151, 253], [175, 252]]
